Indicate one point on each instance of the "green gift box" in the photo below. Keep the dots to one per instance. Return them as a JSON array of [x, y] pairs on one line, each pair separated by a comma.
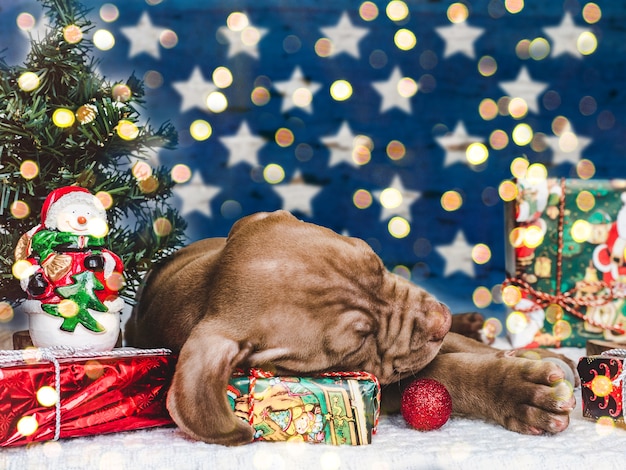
[[334, 408], [565, 262]]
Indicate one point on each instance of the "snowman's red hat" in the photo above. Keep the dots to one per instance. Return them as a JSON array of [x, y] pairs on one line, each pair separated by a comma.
[[62, 197]]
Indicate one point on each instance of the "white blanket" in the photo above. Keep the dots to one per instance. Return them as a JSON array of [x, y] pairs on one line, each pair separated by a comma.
[[460, 444]]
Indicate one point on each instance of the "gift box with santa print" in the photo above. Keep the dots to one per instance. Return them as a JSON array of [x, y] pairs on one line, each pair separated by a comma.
[[602, 380], [565, 259], [339, 408], [55, 393]]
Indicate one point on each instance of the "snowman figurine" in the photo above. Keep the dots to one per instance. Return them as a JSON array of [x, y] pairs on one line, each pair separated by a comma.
[[72, 281]]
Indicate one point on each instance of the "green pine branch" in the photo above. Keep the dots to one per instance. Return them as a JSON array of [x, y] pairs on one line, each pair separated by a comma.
[[90, 154]]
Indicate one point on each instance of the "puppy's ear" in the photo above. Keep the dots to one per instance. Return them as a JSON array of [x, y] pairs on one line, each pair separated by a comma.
[[197, 399]]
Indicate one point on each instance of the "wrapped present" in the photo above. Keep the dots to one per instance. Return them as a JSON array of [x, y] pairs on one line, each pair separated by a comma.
[[565, 262], [602, 380], [52, 393], [333, 408]]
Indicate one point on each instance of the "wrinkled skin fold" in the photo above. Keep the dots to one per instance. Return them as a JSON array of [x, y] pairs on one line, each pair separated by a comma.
[[299, 299]]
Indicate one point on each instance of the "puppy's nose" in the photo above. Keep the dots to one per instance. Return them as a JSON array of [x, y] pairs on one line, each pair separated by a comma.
[[441, 321]]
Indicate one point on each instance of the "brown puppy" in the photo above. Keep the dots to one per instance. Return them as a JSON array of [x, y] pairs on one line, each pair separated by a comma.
[[297, 298]]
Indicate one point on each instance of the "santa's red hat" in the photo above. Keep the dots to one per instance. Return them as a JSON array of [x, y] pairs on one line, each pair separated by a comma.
[[62, 197]]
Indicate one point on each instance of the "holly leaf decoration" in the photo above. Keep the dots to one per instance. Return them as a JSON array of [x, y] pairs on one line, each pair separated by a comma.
[[82, 297]]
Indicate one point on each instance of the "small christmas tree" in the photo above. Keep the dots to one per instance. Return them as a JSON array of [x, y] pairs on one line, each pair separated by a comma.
[[61, 124]]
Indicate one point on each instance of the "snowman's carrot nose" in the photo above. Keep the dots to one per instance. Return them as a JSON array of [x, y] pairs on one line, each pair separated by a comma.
[[81, 220]]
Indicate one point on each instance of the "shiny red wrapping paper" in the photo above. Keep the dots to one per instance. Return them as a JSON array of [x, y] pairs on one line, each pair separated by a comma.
[[120, 391]]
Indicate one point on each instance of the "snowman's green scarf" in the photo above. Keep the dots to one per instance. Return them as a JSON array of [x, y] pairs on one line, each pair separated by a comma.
[[44, 242]]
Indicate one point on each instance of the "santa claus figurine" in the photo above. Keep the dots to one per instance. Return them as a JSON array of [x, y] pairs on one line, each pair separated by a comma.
[[73, 281]]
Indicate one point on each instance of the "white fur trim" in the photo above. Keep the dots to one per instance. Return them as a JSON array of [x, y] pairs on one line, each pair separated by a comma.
[[72, 198]]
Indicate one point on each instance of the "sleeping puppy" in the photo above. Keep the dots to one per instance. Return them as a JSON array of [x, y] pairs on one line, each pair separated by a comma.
[[299, 299]]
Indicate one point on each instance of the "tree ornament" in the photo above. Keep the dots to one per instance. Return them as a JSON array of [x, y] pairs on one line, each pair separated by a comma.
[[71, 279], [86, 113], [426, 405], [121, 92]]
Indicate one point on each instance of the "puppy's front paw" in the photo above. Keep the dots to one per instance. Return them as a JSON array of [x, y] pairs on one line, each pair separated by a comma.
[[241, 434], [534, 398]]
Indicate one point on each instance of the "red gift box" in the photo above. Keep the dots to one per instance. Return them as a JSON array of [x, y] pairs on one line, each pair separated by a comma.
[[48, 394], [602, 386]]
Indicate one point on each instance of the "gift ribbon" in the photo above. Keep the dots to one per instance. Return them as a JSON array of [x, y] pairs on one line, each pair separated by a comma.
[[565, 300], [255, 374], [54, 354]]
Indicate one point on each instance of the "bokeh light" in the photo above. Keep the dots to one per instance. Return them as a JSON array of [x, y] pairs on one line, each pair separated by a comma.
[[498, 139], [514, 6], [397, 10], [115, 281], [168, 39], [63, 118], [94, 369], [162, 227], [516, 322], [200, 130], [237, 21], [28, 81], [581, 231], [585, 201], [27, 425], [19, 209], [507, 191], [399, 227], [98, 227], [260, 96], [451, 201], [390, 198], [395, 150], [368, 11], [127, 130], [585, 169], [481, 297], [29, 169], [362, 199], [457, 13], [341, 90], [21, 269], [476, 153], [481, 253], [121, 92], [492, 327], [284, 137], [487, 66], [518, 108], [47, 396], [109, 13], [601, 386], [25, 21], [217, 102], [181, 173], [562, 330], [536, 172], [6, 312], [511, 295], [591, 13], [323, 47], [273, 173], [404, 39], [488, 109], [67, 308], [103, 40], [72, 34], [587, 43], [539, 48], [222, 77], [522, 134], [407, 87]]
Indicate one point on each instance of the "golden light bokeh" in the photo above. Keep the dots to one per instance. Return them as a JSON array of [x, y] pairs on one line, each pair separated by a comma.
[[511, 295], [27, 425], [217, 102], [481, 297], [457, 12], [585, 169], [451, 201], [260, 96], [522, 134], [395, 150], [390, 198], [222, 77], [168, 39], [399, 227], [368, 11], [200, 130], [116, 281], [487, 66], [19, 209], [273, 173], [28, 81], [121, 92], [341, 90], [47, 396], [6, 312], [507, 191], [162, 227], [585, 201], [477, 153], [516, 322], [405, 39], [284, 137], [98, 227], [29, 169], [63, 118], [181, 173], [488, 109], [362, 199], [67, 308], [127, 130], [397, 10], [581, 231], [72, 34], [109, 13], [514, 6], [481, 254], [103, 40], [94, 369], [591, 13], [587, 43]]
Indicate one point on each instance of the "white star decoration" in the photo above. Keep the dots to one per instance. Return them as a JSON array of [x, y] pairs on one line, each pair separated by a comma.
[[388, 90], [243, 146], [297, 195], [245, 41], [404, 208], [526, 88], [144, 37], [459, 37], [455, 144], [564, 37], [560, 155], [296, 85], [196, 196], [194, 91], [345, 36], [457, 256], [341, 146]]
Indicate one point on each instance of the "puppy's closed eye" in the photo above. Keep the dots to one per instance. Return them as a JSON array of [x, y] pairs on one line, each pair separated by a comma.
[[353, 327]]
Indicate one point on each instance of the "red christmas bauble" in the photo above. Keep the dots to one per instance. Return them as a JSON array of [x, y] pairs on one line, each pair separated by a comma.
[[426, 404]]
